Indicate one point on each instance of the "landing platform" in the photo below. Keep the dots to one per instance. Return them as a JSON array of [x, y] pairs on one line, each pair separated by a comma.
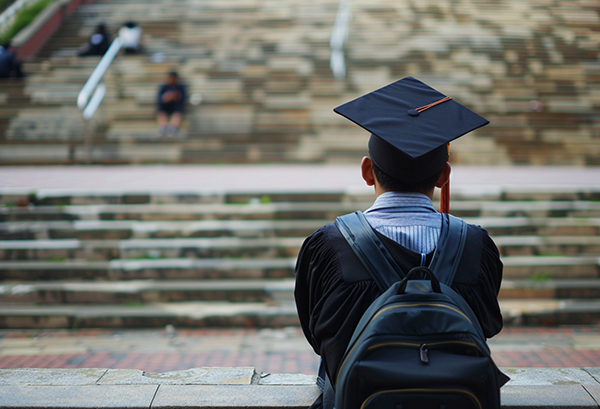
[[493, 180]]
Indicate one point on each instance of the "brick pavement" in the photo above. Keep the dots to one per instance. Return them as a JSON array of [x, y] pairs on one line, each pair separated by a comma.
[[276, 351]]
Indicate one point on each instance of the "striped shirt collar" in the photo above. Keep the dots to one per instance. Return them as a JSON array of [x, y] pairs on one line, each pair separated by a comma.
[[393, 202]]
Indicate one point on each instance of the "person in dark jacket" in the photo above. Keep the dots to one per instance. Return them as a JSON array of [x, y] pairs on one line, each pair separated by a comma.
[[411, 125], [10, 67], [98, 44], [170, 104]]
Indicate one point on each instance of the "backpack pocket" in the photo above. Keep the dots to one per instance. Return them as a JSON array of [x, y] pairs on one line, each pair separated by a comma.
[[423, 398]]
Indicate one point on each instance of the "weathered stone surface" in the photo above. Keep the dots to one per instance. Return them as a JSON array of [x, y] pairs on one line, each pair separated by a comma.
[[89, 396], [539, 396], [50, 376], [238, 396], [193, 376], [548, 376], [594, 372], [594, 391], [286, 379]]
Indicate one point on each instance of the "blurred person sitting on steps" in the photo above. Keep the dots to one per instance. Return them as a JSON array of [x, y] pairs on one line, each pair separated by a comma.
[[98, 44], [10, 67], [170, 105], [131, 36]]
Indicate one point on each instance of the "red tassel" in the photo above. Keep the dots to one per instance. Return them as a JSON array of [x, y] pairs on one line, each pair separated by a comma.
[[445, 198]]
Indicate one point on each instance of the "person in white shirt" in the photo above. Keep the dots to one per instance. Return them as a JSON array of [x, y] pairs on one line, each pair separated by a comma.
[[131, 36]]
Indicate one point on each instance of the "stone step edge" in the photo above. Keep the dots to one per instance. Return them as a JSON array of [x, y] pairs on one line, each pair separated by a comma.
[[290, 262], [201, 310], [149, 226], [233, 242], [250, 208], [273, 285], [558, 388]]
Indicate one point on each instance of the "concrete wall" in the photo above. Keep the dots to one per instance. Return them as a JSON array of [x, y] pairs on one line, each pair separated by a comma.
[[244, 388]]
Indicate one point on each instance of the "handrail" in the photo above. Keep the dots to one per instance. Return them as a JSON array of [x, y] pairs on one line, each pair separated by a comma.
[[96, 77], [339, 35], [12, 10], [88, 105]]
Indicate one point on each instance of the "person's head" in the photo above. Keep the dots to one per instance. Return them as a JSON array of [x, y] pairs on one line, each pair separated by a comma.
[[411, 125], [130, 24], [7, 45], [101, 28], [172, 77], [383, 182]]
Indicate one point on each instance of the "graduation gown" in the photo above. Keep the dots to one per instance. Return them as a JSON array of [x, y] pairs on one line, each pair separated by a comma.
[[333, 289]]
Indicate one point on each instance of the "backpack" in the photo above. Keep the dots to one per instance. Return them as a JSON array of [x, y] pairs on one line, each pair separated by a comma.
[[419, 345]]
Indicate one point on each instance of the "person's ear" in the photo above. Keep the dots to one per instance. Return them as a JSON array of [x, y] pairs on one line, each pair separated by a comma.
[[444, 176], [366, 167]]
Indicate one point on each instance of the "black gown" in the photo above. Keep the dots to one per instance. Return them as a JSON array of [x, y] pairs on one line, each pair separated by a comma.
[[333, 289]]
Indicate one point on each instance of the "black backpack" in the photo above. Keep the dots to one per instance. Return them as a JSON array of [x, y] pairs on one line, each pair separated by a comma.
[[419, 345]]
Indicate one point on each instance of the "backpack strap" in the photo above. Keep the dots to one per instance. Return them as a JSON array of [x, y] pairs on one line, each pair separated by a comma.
[[381, 265], [449, 250], [369, 249]]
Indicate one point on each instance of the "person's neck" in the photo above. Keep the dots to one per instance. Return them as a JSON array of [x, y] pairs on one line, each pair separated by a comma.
[[379, 191]]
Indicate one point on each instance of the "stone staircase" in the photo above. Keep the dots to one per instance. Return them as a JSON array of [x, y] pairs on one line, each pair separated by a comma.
[[71, 260], [259, 75]]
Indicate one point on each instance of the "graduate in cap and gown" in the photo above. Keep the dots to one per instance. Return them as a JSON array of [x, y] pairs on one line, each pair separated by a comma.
[[411, 126]]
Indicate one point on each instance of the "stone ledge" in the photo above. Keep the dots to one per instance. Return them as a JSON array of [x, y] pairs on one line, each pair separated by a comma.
[[559, 388]]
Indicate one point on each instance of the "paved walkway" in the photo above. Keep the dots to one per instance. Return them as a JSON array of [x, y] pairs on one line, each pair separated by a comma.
[[268, 350], [275, 178]]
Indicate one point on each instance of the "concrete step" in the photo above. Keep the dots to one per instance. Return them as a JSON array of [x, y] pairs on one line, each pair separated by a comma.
[[130, 292], [548, 246], [550, 312], [180, 212], [129, 229], [258, 247], [534, 268], [541, 312], [272, 291], [184, 314], [540, 287], [125, 229], [307, 210], [215, 247], [160, 269]]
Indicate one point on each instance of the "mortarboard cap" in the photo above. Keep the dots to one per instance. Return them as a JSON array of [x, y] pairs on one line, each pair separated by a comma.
[[411, 125]]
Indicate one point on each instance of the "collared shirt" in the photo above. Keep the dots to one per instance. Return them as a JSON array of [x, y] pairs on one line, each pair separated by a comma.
[[407, 218]]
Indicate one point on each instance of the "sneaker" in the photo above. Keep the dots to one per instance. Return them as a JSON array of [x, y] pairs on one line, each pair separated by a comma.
[[172, 131]]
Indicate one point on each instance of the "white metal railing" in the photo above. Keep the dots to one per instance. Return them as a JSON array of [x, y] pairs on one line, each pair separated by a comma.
[[84, 103], [339, 35], [11, 11], [92, 94]]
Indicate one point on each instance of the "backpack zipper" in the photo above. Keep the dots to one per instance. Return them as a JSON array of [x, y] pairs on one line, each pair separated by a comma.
[[472, 396], [387, 309], [423, 348]]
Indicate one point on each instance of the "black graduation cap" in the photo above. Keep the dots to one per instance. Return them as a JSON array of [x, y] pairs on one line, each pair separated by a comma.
[[411, 125]]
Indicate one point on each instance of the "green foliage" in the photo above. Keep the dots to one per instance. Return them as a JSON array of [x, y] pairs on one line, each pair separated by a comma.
[[540, 277], [24, 16]]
